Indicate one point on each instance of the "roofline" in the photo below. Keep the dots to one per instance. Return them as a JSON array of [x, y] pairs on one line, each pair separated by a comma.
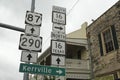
[[103, 14]]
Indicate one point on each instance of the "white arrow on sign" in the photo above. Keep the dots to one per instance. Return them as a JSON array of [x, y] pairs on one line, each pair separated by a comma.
[[27, 56], [59, 71]]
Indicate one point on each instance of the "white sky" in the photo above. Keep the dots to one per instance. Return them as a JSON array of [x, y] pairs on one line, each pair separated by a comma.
[[13, 12]]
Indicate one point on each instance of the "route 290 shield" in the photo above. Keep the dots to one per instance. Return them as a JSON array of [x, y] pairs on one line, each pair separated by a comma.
[[31, 43]]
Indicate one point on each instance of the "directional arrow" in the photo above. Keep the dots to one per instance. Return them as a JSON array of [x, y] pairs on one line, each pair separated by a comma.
[[59, 28], [58, 60], [32, 30], [29, 57], [59, 71]]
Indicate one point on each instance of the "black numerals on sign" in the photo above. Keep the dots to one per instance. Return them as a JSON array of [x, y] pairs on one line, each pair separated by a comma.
[[59, 16], [33, 18], [30, 17], [30, 42], [37, 43], [24, 41], [37, 18], [58, 45]]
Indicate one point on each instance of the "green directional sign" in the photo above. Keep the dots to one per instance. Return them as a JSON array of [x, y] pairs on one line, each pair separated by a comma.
[[40, 69]]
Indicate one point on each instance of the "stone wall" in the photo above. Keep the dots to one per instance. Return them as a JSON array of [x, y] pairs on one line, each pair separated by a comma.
[[105, 64]]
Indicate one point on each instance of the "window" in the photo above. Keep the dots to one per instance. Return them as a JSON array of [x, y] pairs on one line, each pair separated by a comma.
[[108, 42]]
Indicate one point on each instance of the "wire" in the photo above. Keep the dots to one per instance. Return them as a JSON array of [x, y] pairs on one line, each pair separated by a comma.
[[66, 15], [72, 7]]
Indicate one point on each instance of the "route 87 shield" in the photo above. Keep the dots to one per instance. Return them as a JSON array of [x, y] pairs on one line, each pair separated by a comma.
[[30, 43], [33, 18]]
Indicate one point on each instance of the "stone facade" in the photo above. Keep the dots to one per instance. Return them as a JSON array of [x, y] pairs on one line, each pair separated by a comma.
[[109, 63]]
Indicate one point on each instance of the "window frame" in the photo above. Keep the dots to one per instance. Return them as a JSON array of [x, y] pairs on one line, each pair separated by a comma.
[[106, 51]]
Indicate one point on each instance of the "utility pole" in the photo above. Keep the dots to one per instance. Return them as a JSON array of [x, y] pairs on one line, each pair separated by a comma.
[[26, 75]]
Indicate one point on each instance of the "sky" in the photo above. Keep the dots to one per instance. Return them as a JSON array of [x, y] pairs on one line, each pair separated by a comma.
[[13, 12]]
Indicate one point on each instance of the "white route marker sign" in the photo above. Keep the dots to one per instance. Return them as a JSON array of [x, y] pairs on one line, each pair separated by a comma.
[[58, 36], [58, 60], [27, 56], [58, 28], [33, 18], [32, 30], [59, 15], [58, 47], [31, 43]]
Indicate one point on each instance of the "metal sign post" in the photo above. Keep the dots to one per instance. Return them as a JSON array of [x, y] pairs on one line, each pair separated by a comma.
[[58, 36], [26, 75]]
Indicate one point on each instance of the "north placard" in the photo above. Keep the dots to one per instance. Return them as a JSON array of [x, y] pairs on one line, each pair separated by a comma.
[[58, 36]]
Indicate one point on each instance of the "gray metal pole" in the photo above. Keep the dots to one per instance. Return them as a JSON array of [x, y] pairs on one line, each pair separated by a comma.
[[33, 5], [11, 27], [26, 75]]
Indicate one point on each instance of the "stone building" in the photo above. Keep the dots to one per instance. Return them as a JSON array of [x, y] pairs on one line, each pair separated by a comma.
[[76, 58], [104, 40]]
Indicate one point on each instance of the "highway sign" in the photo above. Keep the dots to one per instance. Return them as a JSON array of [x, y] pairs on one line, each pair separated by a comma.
[[59, 9], [33, 18], [58, 28], [27, 56], [59, 15], [59, 18], [31, 43], [58, 36], [32, 30], [40, 69], [57, 60], [58, 47]]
